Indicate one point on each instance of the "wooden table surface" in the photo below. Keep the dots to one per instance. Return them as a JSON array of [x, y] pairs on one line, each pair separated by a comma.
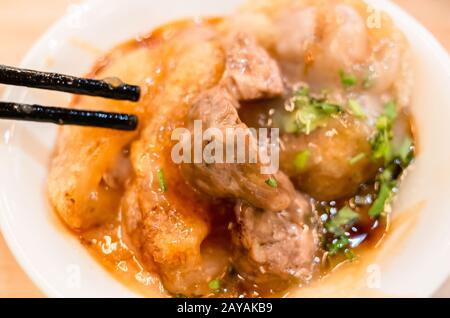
[[23, 21]]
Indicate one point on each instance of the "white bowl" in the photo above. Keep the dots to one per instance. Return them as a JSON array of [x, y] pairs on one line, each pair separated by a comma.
[[414, 259]]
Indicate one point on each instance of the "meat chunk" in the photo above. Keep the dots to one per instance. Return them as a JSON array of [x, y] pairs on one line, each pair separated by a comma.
[[216, 108], [330, 171], [281, 244], [250, 72]]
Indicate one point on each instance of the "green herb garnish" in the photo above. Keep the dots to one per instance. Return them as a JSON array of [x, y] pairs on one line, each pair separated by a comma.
[[308, 112], [271, 182], [337, 226], [382, 142], [386, 185], [390, 111], [312, 116], [214, 285], [378, 206], [338, 244], [344, 218], [387, 178], [162, 180], [356, 109], [349, 254], [381, 145], [301, 160], [347, 79], [406, 150], [357, 158]]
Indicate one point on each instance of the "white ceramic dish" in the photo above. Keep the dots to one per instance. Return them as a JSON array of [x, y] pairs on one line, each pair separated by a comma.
[[412, 262]]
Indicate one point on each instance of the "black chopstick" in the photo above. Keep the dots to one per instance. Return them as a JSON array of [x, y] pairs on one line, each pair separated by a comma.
[[70, 84], [65, 116]]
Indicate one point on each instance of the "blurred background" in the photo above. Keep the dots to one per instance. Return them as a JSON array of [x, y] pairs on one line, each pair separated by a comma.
[[23, 21]]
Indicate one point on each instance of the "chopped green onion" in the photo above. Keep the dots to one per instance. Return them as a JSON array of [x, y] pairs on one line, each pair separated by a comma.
[[381, 145], [382, 122], [327, 108], [338, 244], [344, 218], [386, 175], [301, 160], [337, 226], [162, 180], [214, 284], [391, 111], [271, 182], [405, 150], [307, 119], [312, 115], [349, 254], [347, 80], [308, 113], [357, 158], [378, 206], [382, 141], [356, 109]]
